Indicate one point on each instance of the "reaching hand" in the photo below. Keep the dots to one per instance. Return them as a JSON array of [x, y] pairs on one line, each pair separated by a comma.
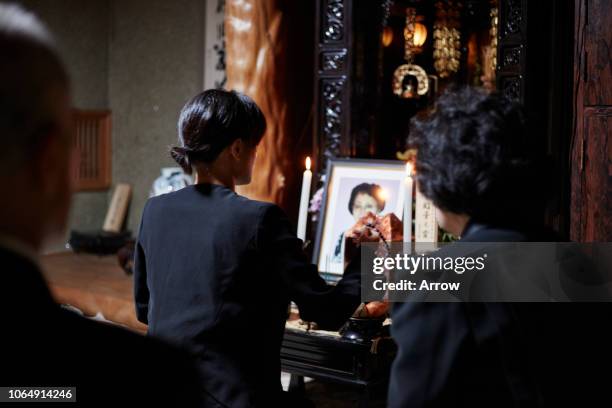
[[358, 233], [390, 227], [371, 228]]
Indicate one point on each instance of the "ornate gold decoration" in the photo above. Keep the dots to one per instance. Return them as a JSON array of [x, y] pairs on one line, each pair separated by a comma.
[[447, 37], [420, 85], [409, 34], [409, 92], [493, 33], [408, 155], [415, 34]]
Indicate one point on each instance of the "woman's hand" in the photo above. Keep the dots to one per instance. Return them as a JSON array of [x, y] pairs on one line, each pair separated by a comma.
[[358, 233], [371, 228], [372, 310], [377, 309], [390, 227]]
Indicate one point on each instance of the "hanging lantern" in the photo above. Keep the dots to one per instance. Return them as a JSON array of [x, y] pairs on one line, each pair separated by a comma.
[[410, 80], [415, 33], [387, 36], [420, 35]]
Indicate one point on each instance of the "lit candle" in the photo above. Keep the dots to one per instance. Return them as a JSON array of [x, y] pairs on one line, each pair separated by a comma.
[[303, 214], [408, 204]]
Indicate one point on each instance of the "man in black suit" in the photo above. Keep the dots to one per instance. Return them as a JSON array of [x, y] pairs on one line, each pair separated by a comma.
[[475, 162], [42, 344]]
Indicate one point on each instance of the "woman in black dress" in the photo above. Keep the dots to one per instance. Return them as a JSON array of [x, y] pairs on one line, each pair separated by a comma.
[[215, 271]]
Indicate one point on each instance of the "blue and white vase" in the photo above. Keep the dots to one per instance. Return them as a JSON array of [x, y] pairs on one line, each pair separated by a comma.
[[171, 179]]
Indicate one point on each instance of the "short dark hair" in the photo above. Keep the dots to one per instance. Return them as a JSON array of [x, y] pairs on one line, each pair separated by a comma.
[[29, 68], [213, 120], [371, 189], [474, 155]]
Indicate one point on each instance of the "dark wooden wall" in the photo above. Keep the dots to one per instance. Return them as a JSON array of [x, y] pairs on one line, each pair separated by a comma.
[[591, 147]]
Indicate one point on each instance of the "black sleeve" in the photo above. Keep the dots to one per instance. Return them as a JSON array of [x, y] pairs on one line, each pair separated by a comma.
[[146, 371], [431, 338], [327, 305], [141, 291]]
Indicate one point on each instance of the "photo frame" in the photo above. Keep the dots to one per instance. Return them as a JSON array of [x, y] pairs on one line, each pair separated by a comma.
[[353, 187]]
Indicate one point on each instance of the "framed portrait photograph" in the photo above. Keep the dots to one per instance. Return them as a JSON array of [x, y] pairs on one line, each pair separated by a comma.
[[352, 188]]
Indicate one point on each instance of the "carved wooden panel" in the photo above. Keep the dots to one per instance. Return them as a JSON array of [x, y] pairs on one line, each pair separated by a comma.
[[332, 112], [333, 62], [511, 49], [332, 94], [334, 27], [93, 143]]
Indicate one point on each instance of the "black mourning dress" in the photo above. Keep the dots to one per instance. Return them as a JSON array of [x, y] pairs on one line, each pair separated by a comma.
[[476, 354], [215, 272]]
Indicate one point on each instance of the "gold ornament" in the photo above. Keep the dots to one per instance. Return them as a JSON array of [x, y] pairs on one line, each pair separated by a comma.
[[416, 71], [493, 33], [409, 34], [447, 37], [414, 37]]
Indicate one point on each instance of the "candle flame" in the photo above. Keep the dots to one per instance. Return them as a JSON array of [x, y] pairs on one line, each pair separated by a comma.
[[409, 169], [308, 163]]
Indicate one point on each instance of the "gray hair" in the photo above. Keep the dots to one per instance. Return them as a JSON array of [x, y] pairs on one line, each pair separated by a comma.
[[29, 67], [17, 22]]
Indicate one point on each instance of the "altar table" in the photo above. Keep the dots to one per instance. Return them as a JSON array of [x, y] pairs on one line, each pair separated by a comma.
[[327, 356]]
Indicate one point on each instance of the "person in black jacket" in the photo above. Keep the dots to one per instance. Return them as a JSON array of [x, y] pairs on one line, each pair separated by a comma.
[[476, 162], [43, 344], [215, 271]]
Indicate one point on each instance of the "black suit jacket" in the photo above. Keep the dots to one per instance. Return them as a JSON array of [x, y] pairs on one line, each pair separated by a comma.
[[215, 272], [45, 345], [501, 354]]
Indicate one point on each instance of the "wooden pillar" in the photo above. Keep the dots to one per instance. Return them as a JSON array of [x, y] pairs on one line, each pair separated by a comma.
[[591, 160], [269, 57]]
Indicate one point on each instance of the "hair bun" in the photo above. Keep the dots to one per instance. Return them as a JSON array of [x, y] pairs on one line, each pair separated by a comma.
[[212, 120], [180, 155]]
